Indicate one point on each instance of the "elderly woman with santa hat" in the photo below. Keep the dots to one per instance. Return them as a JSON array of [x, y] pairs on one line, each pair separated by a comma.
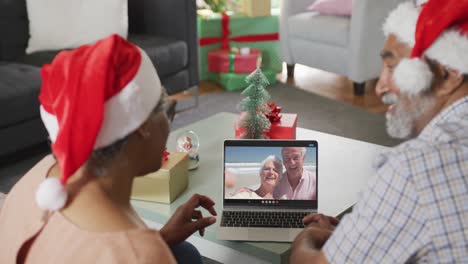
[[102, 106]]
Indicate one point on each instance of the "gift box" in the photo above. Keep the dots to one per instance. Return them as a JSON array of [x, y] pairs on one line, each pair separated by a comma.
[[236, 81], [166, 184], [221, 31], [284, 129], [242, 60], [255, 8]]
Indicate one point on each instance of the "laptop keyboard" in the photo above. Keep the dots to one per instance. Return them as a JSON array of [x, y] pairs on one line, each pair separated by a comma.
[[263, 219]]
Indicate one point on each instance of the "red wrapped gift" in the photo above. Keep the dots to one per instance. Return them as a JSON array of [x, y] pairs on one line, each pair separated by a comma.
[[224, 60], [284, 129]]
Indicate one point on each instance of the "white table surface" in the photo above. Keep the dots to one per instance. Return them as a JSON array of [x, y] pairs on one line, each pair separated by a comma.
[[344, 167]]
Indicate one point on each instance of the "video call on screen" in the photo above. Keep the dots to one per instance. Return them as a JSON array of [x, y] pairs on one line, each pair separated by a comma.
[[261, 173]]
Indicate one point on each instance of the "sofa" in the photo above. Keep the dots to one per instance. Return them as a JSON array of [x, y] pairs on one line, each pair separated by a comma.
[[165, 29], [347, 46]]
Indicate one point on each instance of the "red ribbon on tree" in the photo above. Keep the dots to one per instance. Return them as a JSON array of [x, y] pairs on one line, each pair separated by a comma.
[[226, 32], [274, 114], [166, 154]]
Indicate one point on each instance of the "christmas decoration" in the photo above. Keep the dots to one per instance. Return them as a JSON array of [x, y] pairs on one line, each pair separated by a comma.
[[274, 114], [257, 8], [236, 81], [189, 142], [284, 129], [166, 155], [166, 184], [255, 122], [218, 6], [221, 31], [243, 60]]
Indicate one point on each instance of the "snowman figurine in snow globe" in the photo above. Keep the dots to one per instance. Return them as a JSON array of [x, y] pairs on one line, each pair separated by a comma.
[[188, 142]]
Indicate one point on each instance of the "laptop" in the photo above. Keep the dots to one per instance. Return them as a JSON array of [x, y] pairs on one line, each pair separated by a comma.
[[259, 203]]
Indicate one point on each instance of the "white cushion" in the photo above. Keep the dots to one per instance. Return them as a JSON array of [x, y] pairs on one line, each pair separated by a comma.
[[332, 30], [61, 24]]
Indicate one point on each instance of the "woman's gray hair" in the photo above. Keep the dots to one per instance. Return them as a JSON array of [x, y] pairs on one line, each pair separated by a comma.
[[101, 157], [277, 162]]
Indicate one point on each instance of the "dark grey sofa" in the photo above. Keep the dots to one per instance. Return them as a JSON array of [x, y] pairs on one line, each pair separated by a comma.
[[165, 29]]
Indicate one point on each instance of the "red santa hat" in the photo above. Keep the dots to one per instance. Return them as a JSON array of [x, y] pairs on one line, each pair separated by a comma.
[[437, 29], [90, 98]]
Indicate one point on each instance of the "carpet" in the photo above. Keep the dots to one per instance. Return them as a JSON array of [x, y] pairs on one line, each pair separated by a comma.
[[315, 112]]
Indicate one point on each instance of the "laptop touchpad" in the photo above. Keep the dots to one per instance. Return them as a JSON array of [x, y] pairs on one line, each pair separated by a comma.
[[267, 234]]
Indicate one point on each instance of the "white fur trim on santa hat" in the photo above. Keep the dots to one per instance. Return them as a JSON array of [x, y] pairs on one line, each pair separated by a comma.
[[412, 76], [450, 50], [51, 195], [50, 123], [420, 2], [402, 22], [124, 112], [127, 110]]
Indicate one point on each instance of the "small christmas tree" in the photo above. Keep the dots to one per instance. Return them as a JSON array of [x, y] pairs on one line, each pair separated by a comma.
[[255, 122]]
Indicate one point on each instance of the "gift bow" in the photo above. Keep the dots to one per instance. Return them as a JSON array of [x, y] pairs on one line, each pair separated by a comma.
[[166, 155], [274, 114], [226, 32]]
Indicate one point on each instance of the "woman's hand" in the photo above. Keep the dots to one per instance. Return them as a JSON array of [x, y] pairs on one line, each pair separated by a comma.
[[186, 220]]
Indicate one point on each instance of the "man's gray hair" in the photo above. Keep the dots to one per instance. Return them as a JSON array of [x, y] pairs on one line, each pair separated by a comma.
[[303, 150], [277, 162]]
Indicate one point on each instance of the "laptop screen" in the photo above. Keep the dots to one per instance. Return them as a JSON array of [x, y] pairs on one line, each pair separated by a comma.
[[276, 173]]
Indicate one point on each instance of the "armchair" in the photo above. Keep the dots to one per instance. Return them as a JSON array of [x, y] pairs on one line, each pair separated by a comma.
[[344, 45]]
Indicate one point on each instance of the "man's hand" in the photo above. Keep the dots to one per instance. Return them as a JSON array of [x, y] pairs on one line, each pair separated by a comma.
[[321, 221], [186, 220], [306, 247]]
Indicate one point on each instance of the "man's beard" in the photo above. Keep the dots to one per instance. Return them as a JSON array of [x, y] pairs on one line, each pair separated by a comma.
[[401, 123]]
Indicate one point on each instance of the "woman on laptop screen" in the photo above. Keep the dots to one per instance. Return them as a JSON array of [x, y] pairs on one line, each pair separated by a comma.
[[270, 174]]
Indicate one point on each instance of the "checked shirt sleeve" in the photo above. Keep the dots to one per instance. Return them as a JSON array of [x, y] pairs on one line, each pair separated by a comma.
[[386, 225]]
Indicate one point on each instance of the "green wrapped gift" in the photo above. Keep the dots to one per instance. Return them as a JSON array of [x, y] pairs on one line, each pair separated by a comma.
[[217, 31], [236, 81]]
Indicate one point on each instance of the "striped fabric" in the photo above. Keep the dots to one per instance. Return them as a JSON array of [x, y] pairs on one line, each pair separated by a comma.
[[416, 208]]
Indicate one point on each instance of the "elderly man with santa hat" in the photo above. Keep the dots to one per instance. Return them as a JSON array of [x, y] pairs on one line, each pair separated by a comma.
[[416, 207]]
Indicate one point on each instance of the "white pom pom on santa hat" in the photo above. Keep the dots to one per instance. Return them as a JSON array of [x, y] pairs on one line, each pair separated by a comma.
[[51, 195], [439, 36], [413, 76]]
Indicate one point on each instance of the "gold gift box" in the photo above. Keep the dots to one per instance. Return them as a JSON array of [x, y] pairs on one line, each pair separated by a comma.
[[257, 8], [166, 184]]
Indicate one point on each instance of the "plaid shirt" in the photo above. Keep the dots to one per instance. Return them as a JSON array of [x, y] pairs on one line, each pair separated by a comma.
[[416, 208]]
